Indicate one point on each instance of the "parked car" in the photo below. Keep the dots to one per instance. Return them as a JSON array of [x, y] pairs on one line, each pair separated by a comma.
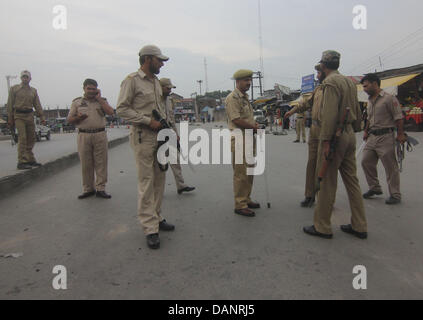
[[42, 132], [260, 117]]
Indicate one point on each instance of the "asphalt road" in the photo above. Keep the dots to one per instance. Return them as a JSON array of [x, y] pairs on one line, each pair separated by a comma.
[[59, 145], [213, 253]]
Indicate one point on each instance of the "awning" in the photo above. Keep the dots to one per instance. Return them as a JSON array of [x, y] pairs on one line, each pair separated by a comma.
[[389, 85], [2, 121], [262, 100]]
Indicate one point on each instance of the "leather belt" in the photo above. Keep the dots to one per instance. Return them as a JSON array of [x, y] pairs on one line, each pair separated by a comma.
[[24, 111], [381, 132], [91, 130]]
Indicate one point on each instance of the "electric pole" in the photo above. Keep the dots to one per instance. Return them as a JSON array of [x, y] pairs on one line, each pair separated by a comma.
[[261, 44], [8, 78], [200, 82], [205, 71], [257, 75]]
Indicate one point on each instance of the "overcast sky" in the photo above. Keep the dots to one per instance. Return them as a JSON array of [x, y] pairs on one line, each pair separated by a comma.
[[103, 38]]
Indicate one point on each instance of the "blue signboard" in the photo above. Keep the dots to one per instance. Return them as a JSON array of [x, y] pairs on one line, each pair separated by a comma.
[[307, 84]]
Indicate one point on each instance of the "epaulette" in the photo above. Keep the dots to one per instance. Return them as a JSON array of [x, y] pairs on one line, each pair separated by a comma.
[[131, 75], [76, 99]]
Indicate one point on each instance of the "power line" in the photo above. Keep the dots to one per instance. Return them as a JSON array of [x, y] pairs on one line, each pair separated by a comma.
[[261, 43], [388, 49]]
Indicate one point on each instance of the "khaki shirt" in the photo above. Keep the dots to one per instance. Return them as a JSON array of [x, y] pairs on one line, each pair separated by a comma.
[[384, 111], [138, 97], [339, 92], [238, 107], [96, 116], [313, 103], [170, 112], [24, 98]]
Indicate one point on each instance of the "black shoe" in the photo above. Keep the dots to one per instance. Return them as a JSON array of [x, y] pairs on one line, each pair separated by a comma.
[[348, 229], [254, 205], [371, 193], [313, 232], [86, 195], [103, 194], [308, 202], [296, 141], [24, 166], [153, 241], [392, 201], [164, 226], [35, 164], [186, 189], [245, 212]]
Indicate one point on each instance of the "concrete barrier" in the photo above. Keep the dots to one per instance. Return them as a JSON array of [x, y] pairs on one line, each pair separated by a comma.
[[13, 183]]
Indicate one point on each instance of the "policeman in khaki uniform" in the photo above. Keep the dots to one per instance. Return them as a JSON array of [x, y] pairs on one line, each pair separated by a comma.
[[313, 103], [339, 93], [88, 115], [240, 116], [167, 87], [384, 117], [300, 127], [22, 100], [140, 94]]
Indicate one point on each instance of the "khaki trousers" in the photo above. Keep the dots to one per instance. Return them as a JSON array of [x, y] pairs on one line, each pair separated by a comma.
[[92, 149], [24, 123], [344, 161], [151, 180], [300, 128], [243, 183], [177, 173], [383, 148], [311, 175]]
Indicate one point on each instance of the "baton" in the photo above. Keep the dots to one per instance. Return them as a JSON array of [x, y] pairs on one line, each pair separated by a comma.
[[266, 185]]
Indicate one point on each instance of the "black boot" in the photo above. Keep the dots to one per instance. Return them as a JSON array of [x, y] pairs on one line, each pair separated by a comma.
[[308, 202], [24, 166], [153, 241]]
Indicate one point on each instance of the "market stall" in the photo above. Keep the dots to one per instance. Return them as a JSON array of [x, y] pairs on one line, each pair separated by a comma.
[[408, 89]]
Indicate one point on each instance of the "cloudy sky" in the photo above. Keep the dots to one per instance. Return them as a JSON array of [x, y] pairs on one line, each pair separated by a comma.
[[103, 38]]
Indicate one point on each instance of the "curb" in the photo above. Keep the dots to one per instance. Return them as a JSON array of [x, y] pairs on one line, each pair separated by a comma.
[[13, 183]]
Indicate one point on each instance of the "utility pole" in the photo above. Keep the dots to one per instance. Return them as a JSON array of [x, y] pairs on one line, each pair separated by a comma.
[[200, 82], [197, 116], [205, 71], [256, 75], [8, 78], [260, 43]]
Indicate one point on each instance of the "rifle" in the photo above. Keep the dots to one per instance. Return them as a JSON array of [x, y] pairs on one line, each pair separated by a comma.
[[13, 135], [333, 143], [165, 125], [411, 142]]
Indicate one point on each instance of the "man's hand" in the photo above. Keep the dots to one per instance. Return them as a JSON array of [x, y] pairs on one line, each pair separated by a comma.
[[155, 125], [401, 137], [256, 127], [98, 96], [82, 116], [287, 115], [365, 136]]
